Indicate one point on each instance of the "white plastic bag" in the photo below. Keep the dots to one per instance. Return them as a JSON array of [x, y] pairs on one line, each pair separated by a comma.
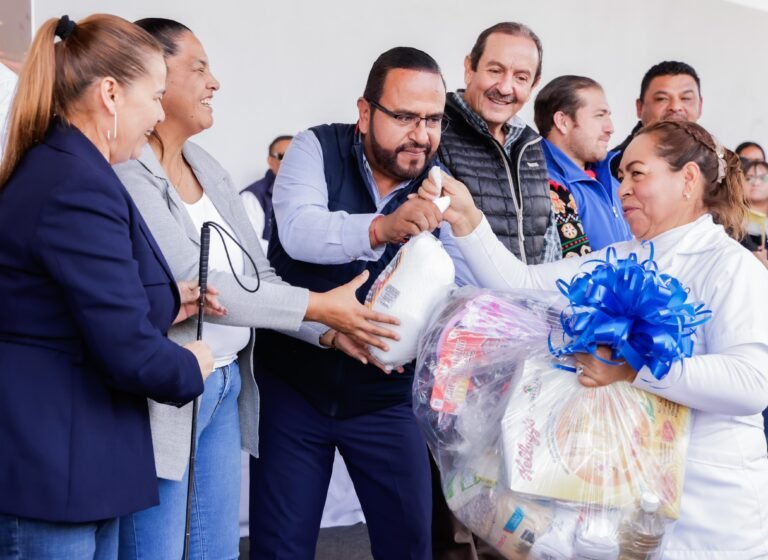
[[414, 282]]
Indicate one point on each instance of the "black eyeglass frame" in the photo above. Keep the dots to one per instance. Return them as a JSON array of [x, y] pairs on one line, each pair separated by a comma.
[[411, 120]]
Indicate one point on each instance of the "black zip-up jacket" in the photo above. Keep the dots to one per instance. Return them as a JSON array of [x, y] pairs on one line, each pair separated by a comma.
[[512, 190]]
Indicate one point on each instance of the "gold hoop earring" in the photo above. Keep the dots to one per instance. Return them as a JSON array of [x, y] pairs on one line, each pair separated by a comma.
[[112, 134]]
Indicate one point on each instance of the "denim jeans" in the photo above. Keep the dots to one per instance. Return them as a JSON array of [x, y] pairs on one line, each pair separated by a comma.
[[158, 532], [22, 539]]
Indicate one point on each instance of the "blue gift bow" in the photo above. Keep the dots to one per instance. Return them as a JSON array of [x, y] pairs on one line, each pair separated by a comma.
[[629, 306]]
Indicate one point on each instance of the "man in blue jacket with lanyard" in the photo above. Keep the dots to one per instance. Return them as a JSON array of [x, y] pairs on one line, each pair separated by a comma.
[[341, 206], [573, 115]]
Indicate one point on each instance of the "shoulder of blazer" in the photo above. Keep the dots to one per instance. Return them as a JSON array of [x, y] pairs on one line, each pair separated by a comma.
[[208, 170], [70, 158], [215, 180]]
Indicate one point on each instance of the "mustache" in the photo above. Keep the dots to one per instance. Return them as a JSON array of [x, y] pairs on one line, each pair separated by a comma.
[[426, 148], [495, 95]]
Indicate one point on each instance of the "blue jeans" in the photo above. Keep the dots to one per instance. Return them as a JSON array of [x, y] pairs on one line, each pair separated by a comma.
[[22, 538], [158, 532]]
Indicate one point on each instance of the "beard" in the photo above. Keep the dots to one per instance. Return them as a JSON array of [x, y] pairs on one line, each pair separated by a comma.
[[387, 162], [586, 147]]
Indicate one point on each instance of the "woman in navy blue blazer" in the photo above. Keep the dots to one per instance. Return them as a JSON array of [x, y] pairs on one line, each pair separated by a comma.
[[86, 297]]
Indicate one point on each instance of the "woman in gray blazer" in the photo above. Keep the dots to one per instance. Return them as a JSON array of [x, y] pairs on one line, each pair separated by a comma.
[[178, 186]]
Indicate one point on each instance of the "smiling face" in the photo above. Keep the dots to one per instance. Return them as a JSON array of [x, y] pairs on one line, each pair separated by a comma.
[[503, 80], [190, 88], [670, 97], [139, 110], [585, 138], [654, 197]]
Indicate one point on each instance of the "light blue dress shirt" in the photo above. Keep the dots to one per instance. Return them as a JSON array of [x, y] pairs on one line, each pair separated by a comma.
[[310, 232]]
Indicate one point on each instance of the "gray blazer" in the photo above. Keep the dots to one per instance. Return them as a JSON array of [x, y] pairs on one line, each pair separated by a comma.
[[275, 305]]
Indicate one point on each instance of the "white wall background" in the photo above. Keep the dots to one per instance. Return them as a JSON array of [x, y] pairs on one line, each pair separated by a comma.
[[285, 65]]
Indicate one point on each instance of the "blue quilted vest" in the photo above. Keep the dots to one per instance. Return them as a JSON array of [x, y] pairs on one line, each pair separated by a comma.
[[334, 383]]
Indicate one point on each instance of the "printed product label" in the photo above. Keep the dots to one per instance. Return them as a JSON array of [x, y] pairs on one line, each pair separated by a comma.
[[514, 521]]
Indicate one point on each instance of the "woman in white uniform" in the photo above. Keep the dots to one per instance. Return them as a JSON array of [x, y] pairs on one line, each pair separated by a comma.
[[684, 192]]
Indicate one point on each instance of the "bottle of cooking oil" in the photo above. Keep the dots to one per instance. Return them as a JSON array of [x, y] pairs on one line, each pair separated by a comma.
[[642, 534]]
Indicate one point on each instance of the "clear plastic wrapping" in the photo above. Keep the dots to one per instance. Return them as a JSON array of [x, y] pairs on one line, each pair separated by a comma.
[[531, 461]]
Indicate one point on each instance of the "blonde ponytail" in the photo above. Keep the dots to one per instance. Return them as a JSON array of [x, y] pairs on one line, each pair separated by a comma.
[[56, 74]]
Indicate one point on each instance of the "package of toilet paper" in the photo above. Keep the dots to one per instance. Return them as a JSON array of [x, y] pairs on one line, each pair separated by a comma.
[[409, 288]]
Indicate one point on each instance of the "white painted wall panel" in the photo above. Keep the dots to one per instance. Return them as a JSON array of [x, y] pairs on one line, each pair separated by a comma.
[[286, 65]]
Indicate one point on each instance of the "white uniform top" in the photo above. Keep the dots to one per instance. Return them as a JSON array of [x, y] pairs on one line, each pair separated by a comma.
[[724, 512]]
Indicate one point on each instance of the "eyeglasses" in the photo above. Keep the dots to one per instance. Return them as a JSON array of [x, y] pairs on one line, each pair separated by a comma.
[[277, 156], [409, 120], [757, 178]]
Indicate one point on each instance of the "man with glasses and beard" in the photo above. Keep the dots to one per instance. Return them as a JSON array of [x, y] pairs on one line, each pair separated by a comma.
[[341, 207]]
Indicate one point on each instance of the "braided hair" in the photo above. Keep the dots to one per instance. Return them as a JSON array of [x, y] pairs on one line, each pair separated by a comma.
[[681, 142]]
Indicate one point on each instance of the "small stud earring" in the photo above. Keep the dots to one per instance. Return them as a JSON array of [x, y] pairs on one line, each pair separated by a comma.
[[687, 196]]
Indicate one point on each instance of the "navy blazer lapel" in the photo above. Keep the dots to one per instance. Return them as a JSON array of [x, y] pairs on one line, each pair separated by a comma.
[[69, 139], [144, 228]]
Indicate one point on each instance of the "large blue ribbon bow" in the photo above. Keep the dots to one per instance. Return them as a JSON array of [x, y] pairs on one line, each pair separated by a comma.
[[629, 306]]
